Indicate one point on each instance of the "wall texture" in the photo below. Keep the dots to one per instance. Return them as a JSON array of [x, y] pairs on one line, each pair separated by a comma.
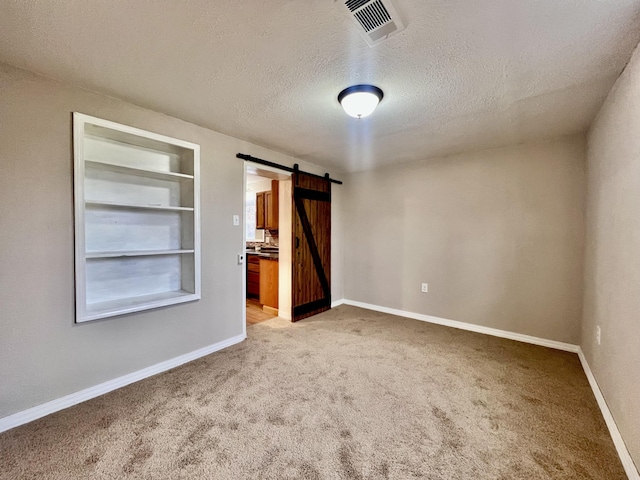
[[497, 235], [612, 258], [44, 355]]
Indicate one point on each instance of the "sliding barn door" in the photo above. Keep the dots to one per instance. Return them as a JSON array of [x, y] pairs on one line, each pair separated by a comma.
[[311, 280]]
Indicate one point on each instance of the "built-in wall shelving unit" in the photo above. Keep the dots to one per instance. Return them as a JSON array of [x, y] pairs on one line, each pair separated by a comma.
[[137, 222]]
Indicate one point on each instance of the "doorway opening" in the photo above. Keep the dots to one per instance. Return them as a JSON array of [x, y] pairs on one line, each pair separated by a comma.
[[267, 238]]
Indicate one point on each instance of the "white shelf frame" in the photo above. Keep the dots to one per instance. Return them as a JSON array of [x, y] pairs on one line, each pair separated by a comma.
[[142, 172], [143, 302], [91, 203], [137, 138], [135, 253]]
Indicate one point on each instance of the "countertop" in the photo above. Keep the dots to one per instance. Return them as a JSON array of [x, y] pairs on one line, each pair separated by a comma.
[[265, 255]]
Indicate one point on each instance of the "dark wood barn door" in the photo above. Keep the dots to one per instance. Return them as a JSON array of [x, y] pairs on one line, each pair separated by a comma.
[[311, 279]]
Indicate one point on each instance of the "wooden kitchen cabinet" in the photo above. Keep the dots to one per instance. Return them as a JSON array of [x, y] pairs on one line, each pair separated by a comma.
[[271, 207], [267, 208], [260, 210], [269, 282], [253, 276]]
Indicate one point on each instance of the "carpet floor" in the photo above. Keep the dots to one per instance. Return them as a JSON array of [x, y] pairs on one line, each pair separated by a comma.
[[348, 394]]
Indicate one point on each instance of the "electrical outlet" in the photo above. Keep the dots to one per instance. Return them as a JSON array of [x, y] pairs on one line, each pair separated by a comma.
[[598, 334], [425, 287]]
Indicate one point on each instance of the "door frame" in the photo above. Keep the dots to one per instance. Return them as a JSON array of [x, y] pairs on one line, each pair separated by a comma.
[[280, 175]]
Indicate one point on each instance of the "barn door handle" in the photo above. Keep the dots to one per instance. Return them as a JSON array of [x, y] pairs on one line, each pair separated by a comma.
[[297, 242]]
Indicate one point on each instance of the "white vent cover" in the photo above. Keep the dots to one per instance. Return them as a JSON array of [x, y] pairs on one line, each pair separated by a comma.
[[377, 20]]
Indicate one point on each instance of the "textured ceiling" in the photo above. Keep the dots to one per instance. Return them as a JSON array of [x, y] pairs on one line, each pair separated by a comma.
[[465, 74]]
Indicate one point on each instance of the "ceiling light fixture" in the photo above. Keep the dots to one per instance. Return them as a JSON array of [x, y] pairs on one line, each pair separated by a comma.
[[360, 100]]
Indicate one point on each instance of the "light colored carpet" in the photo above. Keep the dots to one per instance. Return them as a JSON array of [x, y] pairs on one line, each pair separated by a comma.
[[348, 394]]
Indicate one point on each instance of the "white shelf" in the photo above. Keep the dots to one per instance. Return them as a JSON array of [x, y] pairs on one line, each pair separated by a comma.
[[135, 304], [135, 253], [91, 203], [137, 219], [142, 172]]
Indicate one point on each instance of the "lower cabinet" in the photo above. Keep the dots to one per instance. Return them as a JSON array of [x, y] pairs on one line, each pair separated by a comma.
[[253, 276], [269, 282]]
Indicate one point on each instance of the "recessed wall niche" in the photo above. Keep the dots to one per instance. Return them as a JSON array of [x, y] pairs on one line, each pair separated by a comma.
[[137, 219]]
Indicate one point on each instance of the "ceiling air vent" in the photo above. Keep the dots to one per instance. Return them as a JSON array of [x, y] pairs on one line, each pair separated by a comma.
[[377, 20]]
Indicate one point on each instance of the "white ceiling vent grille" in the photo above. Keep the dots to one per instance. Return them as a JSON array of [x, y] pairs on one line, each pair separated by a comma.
[[377, 20]]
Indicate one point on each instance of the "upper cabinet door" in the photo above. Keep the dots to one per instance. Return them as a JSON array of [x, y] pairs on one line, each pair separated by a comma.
[[260, 208], [272, 207]]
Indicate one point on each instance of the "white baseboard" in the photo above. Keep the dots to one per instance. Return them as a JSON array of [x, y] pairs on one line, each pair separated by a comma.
[[569, 347], [67, 401], [337, 303], [623, 453]]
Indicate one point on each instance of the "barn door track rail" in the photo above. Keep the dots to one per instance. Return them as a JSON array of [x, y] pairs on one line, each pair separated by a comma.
[[267, 163]]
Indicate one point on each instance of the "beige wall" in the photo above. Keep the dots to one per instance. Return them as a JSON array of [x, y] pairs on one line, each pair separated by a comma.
[[497, 235], [337, 240], [43, 355], [612, 259]]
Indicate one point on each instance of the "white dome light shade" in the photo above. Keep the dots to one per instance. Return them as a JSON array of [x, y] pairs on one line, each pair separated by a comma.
[[360, 100]]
